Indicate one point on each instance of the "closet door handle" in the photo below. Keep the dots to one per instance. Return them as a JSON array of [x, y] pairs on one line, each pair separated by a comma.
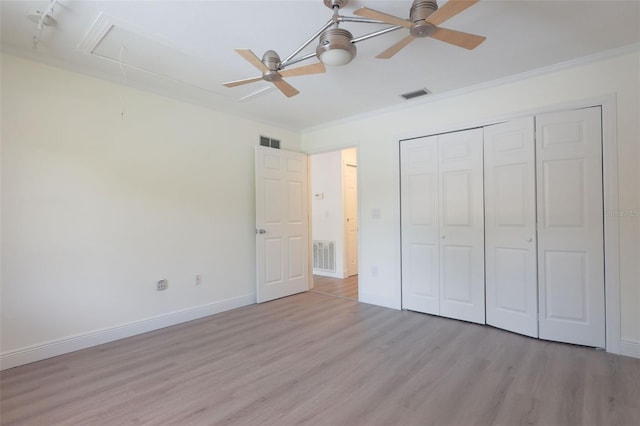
[[530, 240], [444, 236]]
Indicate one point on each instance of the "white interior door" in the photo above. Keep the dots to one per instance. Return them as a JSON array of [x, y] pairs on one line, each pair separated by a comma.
[[570, 227], [351, 217], [461, 226], [282, 223], [419, 225], [510, 226]]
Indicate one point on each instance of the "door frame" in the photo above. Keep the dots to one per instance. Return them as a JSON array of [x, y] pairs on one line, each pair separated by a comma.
[[311, 152], [343, 169], [608, 103]]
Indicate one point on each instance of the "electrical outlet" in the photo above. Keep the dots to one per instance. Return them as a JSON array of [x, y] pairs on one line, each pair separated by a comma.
[[162, 285], [198, 279]]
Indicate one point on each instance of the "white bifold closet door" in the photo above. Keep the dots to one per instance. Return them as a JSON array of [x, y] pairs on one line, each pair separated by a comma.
[[570, 227], [461, 226], [443, 225], [420, 228], [510, 226]]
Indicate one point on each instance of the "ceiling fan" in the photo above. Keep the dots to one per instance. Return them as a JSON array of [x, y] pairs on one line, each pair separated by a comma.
[[424, 20], [337, 46], [270, 66]]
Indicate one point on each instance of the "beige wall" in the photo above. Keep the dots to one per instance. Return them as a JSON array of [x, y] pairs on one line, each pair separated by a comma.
[[377, 135], [96, 208]]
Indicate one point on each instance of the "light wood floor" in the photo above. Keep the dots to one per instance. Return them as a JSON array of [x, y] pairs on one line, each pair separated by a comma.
[[320, 360], [347, 287]]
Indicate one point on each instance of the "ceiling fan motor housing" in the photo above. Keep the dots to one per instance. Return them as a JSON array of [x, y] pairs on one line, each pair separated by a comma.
[[272, 61], [335, 3], [420, 11]]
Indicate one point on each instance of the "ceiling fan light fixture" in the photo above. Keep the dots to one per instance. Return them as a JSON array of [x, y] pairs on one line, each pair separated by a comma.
[[335, 47]]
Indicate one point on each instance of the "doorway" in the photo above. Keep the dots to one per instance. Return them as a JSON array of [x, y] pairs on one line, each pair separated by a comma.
[[334, 222]]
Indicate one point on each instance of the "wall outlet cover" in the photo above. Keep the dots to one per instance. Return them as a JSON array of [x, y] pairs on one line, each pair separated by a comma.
[[162, 285]]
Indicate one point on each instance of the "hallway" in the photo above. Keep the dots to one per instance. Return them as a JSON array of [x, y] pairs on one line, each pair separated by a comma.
[[346, 288]]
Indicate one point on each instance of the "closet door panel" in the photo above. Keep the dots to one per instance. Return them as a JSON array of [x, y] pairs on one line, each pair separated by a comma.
[[510, 221], [570, 227], [419, 217], [457, 274], [461, 226], [457, 198]]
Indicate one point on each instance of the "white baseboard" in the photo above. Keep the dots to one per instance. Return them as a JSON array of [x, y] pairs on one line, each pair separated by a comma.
[[328, 274], [630, 348], [60, 347], [83, 341], [376, 299]]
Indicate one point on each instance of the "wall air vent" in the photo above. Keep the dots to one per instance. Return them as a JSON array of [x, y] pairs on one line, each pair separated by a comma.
[[324, 255], [273, 143], [415, 94]]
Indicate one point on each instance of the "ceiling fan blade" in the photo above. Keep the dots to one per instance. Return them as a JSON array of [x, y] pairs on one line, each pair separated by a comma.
[[396, 47], [253, 59], [458, 38], [384, 17], [241, 82], [286, 88], [317, 68], [449, 10]]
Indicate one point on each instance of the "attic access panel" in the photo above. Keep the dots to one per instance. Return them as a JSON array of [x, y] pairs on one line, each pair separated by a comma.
[[118, 42]]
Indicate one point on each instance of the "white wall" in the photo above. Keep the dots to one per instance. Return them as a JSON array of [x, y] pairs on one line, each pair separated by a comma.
[[377, 138], [327, 213], [96, 208]]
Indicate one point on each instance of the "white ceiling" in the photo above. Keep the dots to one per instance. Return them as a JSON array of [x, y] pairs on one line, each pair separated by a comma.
[[184, 49]]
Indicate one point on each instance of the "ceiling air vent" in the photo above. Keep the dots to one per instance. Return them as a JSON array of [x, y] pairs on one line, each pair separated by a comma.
[[415, 94]]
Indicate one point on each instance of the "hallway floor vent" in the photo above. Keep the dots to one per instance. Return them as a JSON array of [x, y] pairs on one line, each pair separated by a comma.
[[324, 255]]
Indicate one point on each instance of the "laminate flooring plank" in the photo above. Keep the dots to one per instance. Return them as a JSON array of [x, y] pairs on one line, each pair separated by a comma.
[[347, 287], [312, 359]]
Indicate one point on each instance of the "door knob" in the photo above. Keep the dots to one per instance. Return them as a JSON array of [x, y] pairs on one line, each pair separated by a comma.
[[444, 236], [530, 240], [261, 231]]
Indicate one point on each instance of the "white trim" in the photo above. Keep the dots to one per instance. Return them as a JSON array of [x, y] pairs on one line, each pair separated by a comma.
[[630, 348], [87, 340], [376, 299], [36, 57], [611, 225], [359, 208], [100, 27], [585, 60], [323, 273], [333, 148], [614, 341]]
